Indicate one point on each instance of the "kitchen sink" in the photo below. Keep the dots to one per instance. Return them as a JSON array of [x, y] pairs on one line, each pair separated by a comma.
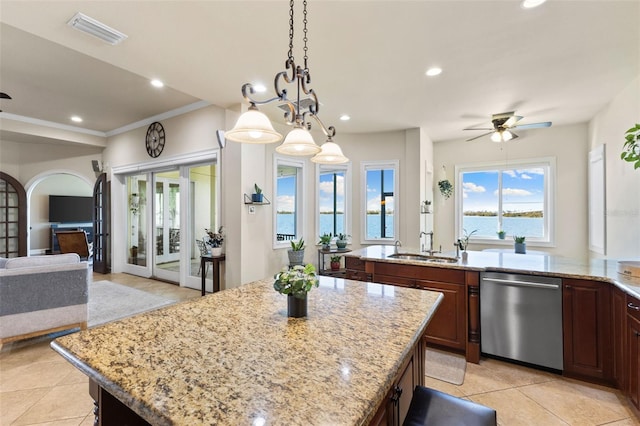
[[423, 258]]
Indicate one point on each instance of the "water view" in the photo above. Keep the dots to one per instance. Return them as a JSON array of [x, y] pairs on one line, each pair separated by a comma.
[[487, 226]]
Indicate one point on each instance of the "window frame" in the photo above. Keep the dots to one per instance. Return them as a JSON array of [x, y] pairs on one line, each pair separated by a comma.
[[346, 168], [299, 205], [379, 165], [549, 216]]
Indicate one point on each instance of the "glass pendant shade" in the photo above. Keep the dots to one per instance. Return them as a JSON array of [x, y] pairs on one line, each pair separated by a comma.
[[298, 142], [253, 127], [502, 136], [330, 154]]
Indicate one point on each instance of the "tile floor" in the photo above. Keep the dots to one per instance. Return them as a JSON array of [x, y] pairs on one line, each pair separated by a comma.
[[38, 387]]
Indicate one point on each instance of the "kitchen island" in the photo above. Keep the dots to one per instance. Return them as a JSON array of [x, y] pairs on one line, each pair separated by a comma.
[[233, 357]]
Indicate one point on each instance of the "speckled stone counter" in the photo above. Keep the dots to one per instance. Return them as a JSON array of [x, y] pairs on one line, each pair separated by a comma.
[[536, 264], [234, 358]]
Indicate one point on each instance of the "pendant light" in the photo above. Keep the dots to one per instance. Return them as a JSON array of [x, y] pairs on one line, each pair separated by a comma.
[[254, 126]]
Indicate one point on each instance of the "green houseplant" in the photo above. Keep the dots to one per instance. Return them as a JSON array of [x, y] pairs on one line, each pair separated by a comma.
[[631, 147], [520, 245], [325, 240], [257, 196], [446, 188], [295, 283], [341, 240], [335, 262], [502, 234], [296, 253]]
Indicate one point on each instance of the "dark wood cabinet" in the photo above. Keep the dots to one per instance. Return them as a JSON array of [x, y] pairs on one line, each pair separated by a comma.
[[633, 350], [587, 330], [355, 269], [618, 316]]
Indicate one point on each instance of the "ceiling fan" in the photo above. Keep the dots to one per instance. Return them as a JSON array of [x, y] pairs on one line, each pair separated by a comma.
[[4, 96], [503, 123]]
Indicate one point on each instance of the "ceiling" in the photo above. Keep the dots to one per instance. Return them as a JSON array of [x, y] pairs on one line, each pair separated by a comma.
[[561, 62]]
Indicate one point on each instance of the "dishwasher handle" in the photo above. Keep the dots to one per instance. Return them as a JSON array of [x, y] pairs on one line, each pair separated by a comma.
[[522, 283]]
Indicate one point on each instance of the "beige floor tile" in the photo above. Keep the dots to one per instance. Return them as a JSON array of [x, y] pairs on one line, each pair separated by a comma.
[[19, 353], [632, 421], [75, 376], [445, 387], [35, 375], [76, 421], [61, 403], [578, 403], [517, 375], [13, 404], [481, 379], [516, 409], [88, 421]]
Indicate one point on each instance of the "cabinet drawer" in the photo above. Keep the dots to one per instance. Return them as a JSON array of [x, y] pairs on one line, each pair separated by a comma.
[[395, 280], [354, 263], [633, 307], [357, 275]]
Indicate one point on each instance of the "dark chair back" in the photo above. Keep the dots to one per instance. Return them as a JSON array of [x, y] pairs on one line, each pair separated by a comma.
[[74, 242]]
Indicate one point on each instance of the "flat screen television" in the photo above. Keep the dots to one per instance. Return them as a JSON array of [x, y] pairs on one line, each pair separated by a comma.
[[69, 208]]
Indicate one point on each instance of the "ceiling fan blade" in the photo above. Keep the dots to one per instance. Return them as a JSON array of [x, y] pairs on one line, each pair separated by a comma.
[[479, 128], [532, 125], [477, 137], [4, 96], [512, 120], [513, 136]]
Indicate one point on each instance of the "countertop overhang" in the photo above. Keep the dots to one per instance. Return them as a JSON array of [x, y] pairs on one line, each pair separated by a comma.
[[233, 357], [535, 264]]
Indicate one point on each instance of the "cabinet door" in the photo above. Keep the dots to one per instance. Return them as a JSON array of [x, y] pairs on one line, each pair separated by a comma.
[[447, 326], [619, 315], [633, 338], [586, 320], [394, 280]]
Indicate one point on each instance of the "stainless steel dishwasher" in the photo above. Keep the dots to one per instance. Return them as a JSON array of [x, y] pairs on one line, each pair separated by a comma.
[[521, 318]]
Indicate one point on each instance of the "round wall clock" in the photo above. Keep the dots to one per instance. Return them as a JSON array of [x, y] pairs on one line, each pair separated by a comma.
[[155, 139]]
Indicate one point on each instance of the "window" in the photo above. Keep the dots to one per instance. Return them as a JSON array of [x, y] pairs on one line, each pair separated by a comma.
[[288, 201], [380, 186], [333, 199], [514, 198]]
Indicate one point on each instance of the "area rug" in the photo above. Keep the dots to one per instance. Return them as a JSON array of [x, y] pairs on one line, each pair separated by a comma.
[[110, 301], [445, 366]]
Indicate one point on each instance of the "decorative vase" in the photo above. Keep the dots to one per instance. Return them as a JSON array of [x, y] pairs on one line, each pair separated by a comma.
[[465, 256], [521, 248], [501, 235], [341, 244], [256, 198], [297, 306], [326, 247], [296, 257], [216, 251]]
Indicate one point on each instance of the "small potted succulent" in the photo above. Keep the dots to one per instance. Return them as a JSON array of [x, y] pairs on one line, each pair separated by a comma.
[[425, 207], [335, 262], [520, 245], [464, 242], [295, 283], [502, 234], [325, 241], [341, 241], [296, 253], [215, 240], [257, 196]]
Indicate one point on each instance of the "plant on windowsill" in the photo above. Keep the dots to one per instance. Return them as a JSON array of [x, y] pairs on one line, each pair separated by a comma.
[[341, 241], [325, 241], [631, 147], [296, 253], [520, 246], [335, 262], [296, 282], [257, 196], [446, 188], [502, 234], [425, 207]]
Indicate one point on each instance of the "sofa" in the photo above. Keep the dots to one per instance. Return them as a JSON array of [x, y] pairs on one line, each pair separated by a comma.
[[41, 295]]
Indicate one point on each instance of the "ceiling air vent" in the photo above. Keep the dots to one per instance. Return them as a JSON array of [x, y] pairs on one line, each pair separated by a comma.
[[95, 28]]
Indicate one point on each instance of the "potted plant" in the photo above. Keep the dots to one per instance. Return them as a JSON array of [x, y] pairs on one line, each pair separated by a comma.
[[341, 241], [502, 234], [296, 253], [296, 282], [257, 196], [446, 188], [325, 240], [520, 245], [631, 147], [335, 262], [426, 206], [215, 240], [464, 242]]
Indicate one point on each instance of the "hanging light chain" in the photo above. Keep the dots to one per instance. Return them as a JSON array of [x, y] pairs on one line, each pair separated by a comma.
[[305, 39], [290, 54]]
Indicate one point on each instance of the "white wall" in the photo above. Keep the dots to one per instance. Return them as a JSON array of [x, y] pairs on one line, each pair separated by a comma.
[[622, 181], [568, 144]]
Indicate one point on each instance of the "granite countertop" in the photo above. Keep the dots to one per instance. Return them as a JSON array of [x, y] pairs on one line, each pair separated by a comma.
[[535, 264], [233, 357]]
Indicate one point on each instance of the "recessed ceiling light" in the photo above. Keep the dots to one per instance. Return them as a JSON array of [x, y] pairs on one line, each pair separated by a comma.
[[76, 119], [157, 83], [529, 4], [432, 72], [345, 117], [259, 88]]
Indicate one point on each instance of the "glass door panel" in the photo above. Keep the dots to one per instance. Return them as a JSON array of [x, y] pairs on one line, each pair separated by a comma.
[[167, 225], [137, 234]]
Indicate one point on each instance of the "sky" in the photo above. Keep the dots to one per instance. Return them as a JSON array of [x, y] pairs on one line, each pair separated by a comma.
[[374, 190], [523, 190]]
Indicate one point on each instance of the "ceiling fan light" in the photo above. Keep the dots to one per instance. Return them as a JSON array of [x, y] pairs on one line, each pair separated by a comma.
[[496, 137], [298, 142], [507, 135], [253, 126], [330, 154]]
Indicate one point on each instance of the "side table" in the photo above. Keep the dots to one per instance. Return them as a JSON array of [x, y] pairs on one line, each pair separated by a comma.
[[215, 270], [321, 262]]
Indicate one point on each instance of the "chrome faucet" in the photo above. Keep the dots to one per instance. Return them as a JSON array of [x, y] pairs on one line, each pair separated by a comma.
[[397, 244], [431, 250], [420, 237]]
